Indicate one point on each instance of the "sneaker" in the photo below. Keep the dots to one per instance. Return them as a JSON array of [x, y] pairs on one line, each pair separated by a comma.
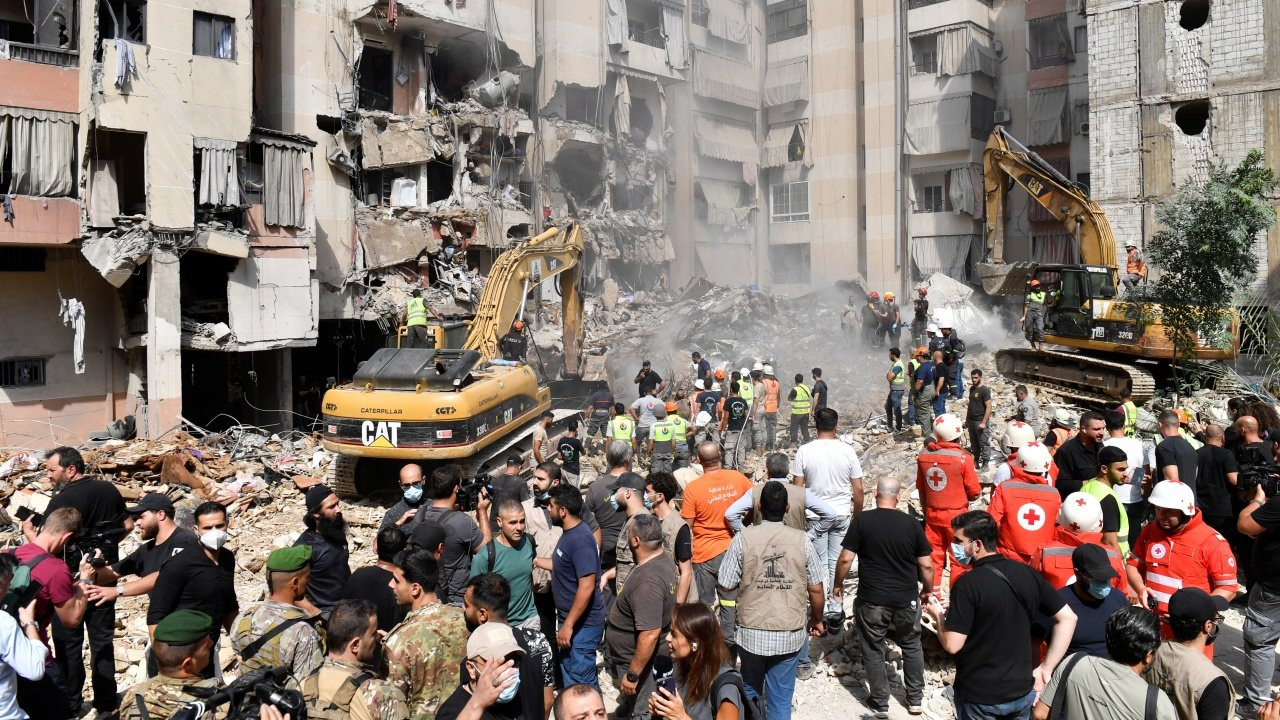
[[915, 709], [804, 672], [877, 714]]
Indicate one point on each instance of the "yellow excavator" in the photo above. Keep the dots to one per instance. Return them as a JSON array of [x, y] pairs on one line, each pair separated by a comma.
[[462, 405], [1085, 314]]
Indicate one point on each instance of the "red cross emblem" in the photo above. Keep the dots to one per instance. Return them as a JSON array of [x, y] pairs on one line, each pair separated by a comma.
[[1081, 502], [936, 478], [1031, 517], [1158, 551]]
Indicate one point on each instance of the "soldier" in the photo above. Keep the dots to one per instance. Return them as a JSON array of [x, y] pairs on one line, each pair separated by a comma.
[[425, 650], [277, 631], [182, 645], [345, 685]]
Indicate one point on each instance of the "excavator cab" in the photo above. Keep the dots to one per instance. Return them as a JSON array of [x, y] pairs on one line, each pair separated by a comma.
[[1075, 292]]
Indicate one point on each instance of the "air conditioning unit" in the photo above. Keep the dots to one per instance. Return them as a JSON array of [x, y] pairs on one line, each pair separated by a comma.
[[1003, 116], [1082, 128]]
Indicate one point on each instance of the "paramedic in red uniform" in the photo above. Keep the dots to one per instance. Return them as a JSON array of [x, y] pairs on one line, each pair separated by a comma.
[[947, 481], [1026, 505], [1079, 523]]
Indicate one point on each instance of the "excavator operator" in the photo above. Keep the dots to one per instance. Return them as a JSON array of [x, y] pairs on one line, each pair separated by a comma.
[[515, 343], [415, 320]]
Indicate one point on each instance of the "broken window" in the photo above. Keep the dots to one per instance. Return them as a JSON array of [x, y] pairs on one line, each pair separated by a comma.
[[15, 27], [787, 19], [790, 263], [203, 285], [213, 36], [924, 54], [1048, 42], [37, 152], [22, 372], [582, 104], [118, 183], [375, 79], [21, 259], [701, 11], [789, 202], [1084, 181], [644, 23], [982, 116], [122, 19]]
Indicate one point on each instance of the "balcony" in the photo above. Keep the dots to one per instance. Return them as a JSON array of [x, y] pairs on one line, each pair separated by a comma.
[[926, 15], [43, 54]]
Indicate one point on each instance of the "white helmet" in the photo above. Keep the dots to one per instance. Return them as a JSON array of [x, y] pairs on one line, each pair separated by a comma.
[[1034, 458], [744, 372], [699, 384], [1017, 434], [1081, 513], [768, 369], [947, 427], [715, 386], [1174, 495], [1062, 416], [933, 328], [756, 367]]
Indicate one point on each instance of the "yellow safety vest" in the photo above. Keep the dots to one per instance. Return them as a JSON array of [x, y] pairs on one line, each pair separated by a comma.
[[1100, 490], [416, 311], [899, 375], [620, 428], [803, 401], [745, 391], [1036, 296], [663, 434], [680, 428], [1130, 418]]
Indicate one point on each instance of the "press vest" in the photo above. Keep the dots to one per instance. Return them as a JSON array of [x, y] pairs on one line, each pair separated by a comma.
[[663, 435], [416, 312], [803, 401], [626, 560], [797, 499], [1027, 510], [1053, 561], [621, 428], [671, 525], [1184, 673], [1100, 490], [899, 375], [771, 390], [942, 474], [774, 591]]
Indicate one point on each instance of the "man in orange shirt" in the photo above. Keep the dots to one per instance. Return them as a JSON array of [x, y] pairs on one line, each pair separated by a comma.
[[706, 501]]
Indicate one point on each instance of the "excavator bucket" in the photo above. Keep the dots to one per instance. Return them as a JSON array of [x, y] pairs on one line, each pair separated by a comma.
[[1006, 278]]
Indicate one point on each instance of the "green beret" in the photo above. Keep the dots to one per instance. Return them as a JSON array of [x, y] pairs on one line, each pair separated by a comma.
[[183, 627], [290, 559]]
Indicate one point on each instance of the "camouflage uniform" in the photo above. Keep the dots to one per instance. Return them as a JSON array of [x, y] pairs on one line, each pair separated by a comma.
[[423, 655], [374, 699], [163, 696], [299, 648]]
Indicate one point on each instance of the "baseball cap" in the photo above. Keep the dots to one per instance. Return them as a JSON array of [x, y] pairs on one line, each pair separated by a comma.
[[152, 502], [628, 480], [427, 535], [493, 641], [514, 461], [1195, 605], [1092, 561]]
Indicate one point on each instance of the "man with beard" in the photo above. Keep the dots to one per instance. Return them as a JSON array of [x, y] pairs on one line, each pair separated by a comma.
[[163, 541], [575, 581], [326, 534], [345, 684], [413, 490], [485, 604]]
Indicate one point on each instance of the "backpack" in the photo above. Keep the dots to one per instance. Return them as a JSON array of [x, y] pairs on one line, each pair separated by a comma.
[[750, 706], [23, 587], [492, 548], [339, 707]]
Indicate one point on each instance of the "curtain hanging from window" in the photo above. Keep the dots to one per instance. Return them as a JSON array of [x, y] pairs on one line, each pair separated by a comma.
[[219, 178], [282, 192]]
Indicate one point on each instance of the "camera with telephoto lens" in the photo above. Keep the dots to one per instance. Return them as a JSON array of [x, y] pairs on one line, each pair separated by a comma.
[[469, 492], [245, 696], [1252, 477]]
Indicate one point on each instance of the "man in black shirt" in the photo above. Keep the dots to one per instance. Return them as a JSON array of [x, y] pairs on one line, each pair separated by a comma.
[[1077, 458], [412, 496], [733, 420], [515, 344], [326, 533], [373, 583], [976, 417], [102, 515], [893, 554], [1260, 519], [988, 625], [647, 379], [569, 447], [819, 391], [1175, 458], [1216, 481], [164, 541]]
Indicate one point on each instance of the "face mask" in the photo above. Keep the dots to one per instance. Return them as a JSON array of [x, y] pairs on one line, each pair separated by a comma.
[[542, 500], [613, 502], [1099, 588], [648, 501], [413, 494], [957, 552], [510, 693], [214, 539]]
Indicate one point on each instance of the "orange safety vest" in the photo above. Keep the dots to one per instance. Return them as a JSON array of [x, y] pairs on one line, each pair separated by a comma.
[[1063, 435], [1025, 509], [945, 477], [1135, 266], [771, 390], [1053, 561]]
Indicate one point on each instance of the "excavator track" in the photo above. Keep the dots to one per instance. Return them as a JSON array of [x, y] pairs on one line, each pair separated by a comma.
[[1075, 376]]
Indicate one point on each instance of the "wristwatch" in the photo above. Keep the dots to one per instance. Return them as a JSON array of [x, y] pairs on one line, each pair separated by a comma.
[[29, 623], [632, 677], [120, 590]]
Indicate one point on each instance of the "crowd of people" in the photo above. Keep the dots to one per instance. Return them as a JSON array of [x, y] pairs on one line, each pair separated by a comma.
[[1092, 584]]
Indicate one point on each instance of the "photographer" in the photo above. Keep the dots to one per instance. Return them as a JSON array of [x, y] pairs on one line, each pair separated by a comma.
[[102, 515], [21, 652], [462, 534], [183, 646], [1260, 520]]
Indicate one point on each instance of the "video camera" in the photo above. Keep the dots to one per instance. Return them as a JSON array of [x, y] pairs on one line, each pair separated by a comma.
[[1251, 477], [244, 696], [104, 538], [469, 492]]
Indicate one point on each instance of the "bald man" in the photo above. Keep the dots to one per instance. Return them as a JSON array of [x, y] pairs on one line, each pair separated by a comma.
[[1253, 449], [412, 496]]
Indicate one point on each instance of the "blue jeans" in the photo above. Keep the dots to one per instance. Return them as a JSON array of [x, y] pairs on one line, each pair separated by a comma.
[[1019, 709], [940, 403], [827, 545], [911, 408], [578, 663], [958, 391], [772, 677]]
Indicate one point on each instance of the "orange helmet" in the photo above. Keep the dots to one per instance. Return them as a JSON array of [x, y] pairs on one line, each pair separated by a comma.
[[718, 374], [921, 351], [519, 324], [672, 407], [889, 296]]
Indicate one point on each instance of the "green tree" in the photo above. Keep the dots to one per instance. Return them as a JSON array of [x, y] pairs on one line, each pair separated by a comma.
[[1205, 254]]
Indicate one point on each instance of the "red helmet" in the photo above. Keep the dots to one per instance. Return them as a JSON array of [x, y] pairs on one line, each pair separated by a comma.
[[924, 291], [874, 295]]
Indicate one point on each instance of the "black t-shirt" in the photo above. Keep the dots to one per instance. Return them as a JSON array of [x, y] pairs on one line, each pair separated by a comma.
[[1213, 493], [1255, 453], [994, 666], [601, 401], [650, 381], [820, 394], [373, 584], [570, 450], [922, 309], [1110, 514], [149, 557], [1266, 547], [1090, 635], [514, 346], [609, 521], [191, 581], [1077, 465], [979, 399], [1177, 451], [736, 410], [452, 707], [101, 507], [708, 401], [1215, 699], [684, 544], [888, 543], [330, 568]]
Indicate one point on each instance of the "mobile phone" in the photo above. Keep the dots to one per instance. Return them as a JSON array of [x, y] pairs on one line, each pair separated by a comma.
[[23, 513]]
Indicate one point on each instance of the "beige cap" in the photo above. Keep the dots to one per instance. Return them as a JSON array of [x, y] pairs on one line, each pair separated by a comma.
[[493, 641]]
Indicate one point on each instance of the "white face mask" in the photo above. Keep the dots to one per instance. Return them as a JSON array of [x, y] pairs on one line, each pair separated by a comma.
[[214, 539]]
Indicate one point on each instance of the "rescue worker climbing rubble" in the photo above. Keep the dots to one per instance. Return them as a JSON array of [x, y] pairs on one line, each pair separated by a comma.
[[1025, 506], [1033, 314], [415, 320], [947, 482], [920, 320]]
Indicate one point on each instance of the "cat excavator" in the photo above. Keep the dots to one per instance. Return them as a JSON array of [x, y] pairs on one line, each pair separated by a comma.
[[463, 405], [1110, 354]]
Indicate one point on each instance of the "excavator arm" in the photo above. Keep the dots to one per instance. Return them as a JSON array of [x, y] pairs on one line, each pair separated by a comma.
[[1004, 160], [557, 251]]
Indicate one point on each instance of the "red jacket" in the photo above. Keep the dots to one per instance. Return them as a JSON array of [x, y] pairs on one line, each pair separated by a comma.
[[946, 477], [1053, 561], [1194, 556], [1025, 509]]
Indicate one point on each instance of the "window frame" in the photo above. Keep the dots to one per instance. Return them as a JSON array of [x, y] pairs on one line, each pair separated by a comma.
[[792, 214], [216, 24], [780, 20], [1080, 32], [931, 199], [139, 34], [11, 370]]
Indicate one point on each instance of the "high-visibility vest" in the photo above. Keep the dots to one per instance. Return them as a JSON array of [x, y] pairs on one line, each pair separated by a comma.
[[663, 435], [899, 375], [1130, 418], [803, 401], [1099, 490], [771, 390], [1133, 264], [416, 312], [621, 428], [745, 391], [680, 428], [1036, 296], [1063, 435]]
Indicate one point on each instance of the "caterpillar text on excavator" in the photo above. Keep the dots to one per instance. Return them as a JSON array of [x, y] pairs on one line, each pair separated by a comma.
[[463, 405], [1109, 353]]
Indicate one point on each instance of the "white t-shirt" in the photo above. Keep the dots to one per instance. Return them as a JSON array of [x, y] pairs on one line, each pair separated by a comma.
[[1130, 492], [1003, 472], [644, 408], [828, 464]]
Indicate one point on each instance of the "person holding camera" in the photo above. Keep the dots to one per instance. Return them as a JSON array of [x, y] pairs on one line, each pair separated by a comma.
[[462, 535], [183, 646], [102, 515], [22, 654], [163, 541], [1260, 520]]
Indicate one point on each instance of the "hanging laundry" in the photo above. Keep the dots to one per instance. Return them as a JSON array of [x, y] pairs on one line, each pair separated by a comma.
[[7, 200], [393, 14], [125, 66], [71, 311]]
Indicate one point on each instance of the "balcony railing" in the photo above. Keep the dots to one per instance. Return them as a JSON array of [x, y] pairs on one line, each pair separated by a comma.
[[43, 54], [1046, 61], [915, 4]]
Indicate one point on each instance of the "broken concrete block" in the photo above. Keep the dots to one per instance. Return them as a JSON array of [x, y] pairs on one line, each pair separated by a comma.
[[395, 143]]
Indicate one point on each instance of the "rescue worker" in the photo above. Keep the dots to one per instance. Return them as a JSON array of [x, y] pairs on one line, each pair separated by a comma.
[[1130, 411], [734, 414], [622, 427], [924, 391], [849, 318], [801, 405], [1025, 506], [955, 346], [747, 391], [921, 318], [277, 631], [345, 686], [709, 403], [182, 645], [1179, 550], [897, 379], [1113, 470], [917, 357], [682, 430], [757, 409], [870, 319], [699, 387], [1061, 429], [936, 341], [1079, 523], [1135, 268], [415, 321], [1016, 434], [662, 441], [893, 320], [947, 482], [769, 409], [1033, 314], [515, 343], [597, 413]]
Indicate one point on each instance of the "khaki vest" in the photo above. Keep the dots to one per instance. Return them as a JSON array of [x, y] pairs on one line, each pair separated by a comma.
[[797, 499], [626, 560], [671, 525], [774, 591], [330, 689], [1184, 673]]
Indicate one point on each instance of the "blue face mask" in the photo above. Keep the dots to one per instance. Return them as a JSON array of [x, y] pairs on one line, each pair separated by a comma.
[[413, 494], [962, 557], [613, 502], [510, 693], [1099, 588], [648, 501]]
